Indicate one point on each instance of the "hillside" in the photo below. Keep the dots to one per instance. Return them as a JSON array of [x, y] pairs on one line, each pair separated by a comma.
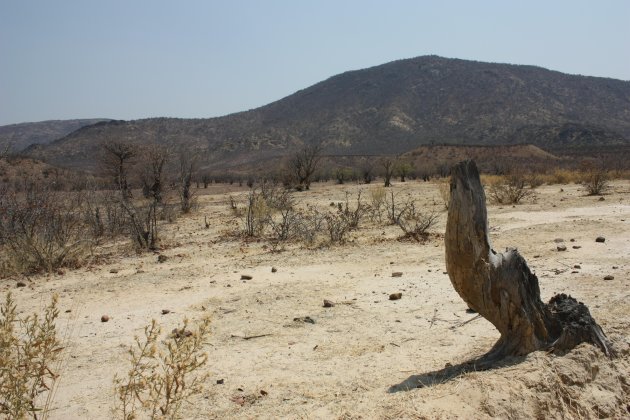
[[19, 136], [392, 108]]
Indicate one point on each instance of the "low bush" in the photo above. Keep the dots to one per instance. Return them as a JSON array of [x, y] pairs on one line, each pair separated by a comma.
[[30, 355]]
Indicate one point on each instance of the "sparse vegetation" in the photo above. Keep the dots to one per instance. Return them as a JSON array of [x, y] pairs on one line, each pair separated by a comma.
[[29, 354], [510, 190], [304, 164], [595, 179], [163, 376]]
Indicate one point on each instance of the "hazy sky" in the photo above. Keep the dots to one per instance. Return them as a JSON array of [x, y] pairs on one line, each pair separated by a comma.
[[137, 59]]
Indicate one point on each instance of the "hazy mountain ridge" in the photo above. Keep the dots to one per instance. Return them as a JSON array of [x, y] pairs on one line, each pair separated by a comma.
[[19, 136], [391, 108]]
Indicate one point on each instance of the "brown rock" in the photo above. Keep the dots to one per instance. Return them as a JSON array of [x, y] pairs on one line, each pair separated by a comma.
[[561, 248], [246, 277], [328, 303], [274, 270], [162, 258], [113, 271], [609, 277], [21, 284], [395, 296], [166, 311], [576, 247], [104, 318], [600, 239], [397, 274]]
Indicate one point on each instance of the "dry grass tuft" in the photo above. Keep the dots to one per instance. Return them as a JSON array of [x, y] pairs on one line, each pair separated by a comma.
[[29, 350]]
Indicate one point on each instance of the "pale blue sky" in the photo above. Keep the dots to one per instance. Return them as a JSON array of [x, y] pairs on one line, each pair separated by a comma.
[[137, 59]]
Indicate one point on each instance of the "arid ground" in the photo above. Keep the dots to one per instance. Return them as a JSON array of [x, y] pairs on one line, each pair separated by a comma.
[[367, 356]]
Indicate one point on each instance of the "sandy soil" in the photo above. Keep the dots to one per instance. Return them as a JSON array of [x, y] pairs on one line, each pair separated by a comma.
[[366, 357]]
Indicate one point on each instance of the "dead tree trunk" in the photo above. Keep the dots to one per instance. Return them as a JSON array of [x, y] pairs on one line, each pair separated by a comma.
[[501, 287]]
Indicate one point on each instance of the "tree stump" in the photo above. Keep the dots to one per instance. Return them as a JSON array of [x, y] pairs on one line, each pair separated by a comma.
[[501, 287]]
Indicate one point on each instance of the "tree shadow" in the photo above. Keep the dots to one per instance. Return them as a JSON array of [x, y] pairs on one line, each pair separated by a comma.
[[451, 372]]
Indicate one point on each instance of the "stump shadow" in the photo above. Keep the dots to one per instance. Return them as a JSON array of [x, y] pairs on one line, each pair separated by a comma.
[[451, 372]]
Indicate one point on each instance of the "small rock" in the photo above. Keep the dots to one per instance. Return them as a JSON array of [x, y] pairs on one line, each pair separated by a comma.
[[104, 318], [601, 199], [615, 267], [220, 381], [68, 311], [21, 284], [561, 248], [395, 296], [574, 272], [246, 277], [162, 258], [166, 311], [600, 239], [536, 256], [572, 240], [263, 393], [113, 271], [558, 240], [609, 277], [576, 247], [328, 303], [61, 272], [448, 365], [397, 274], [305, 319], [578, 266], [274, 270]]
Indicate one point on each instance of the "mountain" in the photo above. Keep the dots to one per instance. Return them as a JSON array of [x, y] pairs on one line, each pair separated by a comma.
[[392, 108], [19, 136]]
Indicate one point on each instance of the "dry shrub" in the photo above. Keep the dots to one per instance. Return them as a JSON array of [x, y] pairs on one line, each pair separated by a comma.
[[163, 375], [42, 230], [29, 352], [257, 215], [416, 224], [563, 176], [377, 203], [595, 180], [511, 190]]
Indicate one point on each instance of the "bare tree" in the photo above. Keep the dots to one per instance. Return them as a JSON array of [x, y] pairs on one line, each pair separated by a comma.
[[116, 160], [303, 165], [187, 168], [403, 169], [501, 287], [155, 158], [388, 170]]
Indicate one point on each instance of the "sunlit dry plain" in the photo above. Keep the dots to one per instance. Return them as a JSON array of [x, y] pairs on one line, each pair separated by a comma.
[[276, 352]]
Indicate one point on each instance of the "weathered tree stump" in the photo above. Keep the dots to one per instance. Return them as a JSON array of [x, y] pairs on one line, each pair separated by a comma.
[[501, 287]]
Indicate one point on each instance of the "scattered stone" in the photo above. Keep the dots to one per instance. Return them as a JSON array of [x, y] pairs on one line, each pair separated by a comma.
[[220, 381], [246, 277], [274, 270], [21, 284], [104, 318], [68, 311], [328, 303], [615, 267], [397, 274], [395, 296], [572, 240], [448, 365], [263, 393], [609, 277], [576, 247], [574, 272], [166, 311], [305, 319], [179, 333], [536, 256], [561, 247], [600, 239], [162, 258], [113, 271], [578, 266], [601, 199], [228, 285], [558, 240]]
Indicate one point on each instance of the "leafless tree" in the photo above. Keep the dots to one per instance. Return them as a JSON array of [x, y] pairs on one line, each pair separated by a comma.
[[388, 170], [154, 161], [187, 168], [117, 158], [303, 165]]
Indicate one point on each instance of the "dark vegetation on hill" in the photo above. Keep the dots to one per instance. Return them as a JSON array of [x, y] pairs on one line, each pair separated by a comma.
[[17, 137], [388, 109]]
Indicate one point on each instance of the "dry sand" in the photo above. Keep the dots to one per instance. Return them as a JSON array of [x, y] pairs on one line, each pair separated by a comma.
[[345, 363]]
